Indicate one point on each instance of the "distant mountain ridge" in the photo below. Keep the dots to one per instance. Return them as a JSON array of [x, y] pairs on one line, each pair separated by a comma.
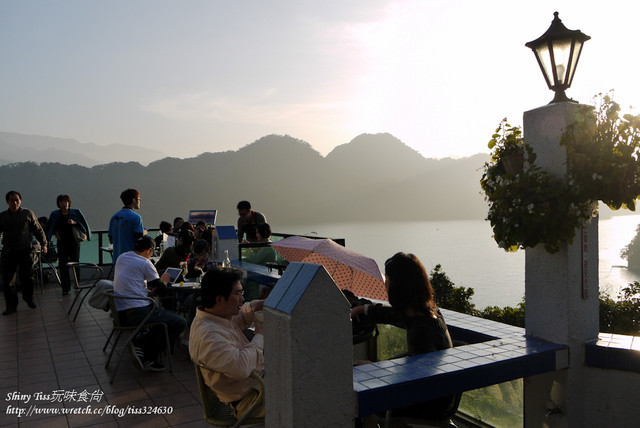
[[37, 148], [375, 177]]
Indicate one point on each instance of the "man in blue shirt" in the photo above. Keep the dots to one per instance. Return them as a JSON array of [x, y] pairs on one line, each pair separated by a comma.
[[125, 226]]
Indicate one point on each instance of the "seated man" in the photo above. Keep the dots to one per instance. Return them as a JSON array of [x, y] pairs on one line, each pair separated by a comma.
[[217, 340], [165, 229], [135, 275]]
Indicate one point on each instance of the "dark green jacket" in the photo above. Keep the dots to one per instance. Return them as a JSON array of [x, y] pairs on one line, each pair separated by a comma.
[[18, 228]]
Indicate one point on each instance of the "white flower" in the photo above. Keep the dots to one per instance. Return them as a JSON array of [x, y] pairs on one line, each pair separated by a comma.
[[530, 208]]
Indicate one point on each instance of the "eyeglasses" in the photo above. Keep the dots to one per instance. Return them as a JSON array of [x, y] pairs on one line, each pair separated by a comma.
[[239, 293]]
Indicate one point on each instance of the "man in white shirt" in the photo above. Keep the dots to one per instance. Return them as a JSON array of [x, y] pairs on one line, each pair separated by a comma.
[[217, 341], [135, 275]]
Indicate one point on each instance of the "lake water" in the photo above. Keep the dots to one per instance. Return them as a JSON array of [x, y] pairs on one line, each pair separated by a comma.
[[466, 251], [469, 255]]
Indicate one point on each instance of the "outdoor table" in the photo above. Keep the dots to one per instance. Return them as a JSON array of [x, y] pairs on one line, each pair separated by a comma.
[[181, 291]]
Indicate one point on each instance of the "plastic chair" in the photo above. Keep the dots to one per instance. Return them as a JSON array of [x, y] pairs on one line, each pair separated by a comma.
[[87, 286], [219, 414], [135, 329]]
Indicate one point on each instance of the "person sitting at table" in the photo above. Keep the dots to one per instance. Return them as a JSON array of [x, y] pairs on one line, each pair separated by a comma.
[[165, 229], [413, 307], [174, 256], [201, 226], [207, 235], [217, 341], [199, 262], [136, 276], [188, 226], [262, 255], [177, 225]]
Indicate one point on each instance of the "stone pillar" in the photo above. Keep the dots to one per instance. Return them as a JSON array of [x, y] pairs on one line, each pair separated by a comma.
[[561, 289], [308, 350]]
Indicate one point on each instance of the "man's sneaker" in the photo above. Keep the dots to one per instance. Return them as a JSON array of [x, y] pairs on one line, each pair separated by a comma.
[[31, 304], [153, 366]]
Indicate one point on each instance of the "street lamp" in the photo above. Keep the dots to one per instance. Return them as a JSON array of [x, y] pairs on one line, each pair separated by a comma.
[[558, 51]]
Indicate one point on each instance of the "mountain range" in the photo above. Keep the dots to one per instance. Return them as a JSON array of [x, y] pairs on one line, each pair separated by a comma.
[[16, 147], [372, 178]]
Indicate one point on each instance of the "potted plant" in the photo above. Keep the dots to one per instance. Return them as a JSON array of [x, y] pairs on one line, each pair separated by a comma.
[[508, 147], [603, 150], [529, 207]]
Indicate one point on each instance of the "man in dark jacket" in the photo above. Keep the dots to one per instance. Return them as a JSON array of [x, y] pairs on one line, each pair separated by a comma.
[[18, 227]]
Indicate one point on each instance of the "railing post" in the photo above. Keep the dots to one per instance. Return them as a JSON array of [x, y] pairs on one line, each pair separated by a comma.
[[308, 352]]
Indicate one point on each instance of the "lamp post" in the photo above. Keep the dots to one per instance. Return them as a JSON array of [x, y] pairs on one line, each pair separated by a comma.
[[561, 289], [558, 51]]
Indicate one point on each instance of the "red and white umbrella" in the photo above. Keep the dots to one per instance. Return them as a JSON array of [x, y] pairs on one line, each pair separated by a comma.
[[350, 270]]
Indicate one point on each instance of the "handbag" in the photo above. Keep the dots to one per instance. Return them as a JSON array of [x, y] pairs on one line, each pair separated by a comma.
[[78, 234]]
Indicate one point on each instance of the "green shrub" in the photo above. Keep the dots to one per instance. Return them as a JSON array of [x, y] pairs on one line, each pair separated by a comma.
[[621, 316]]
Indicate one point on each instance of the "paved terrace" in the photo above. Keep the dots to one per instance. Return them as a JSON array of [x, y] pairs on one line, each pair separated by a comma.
[[43, 351]]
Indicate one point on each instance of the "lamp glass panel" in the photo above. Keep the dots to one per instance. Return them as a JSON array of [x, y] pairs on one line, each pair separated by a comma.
[[561, 53], [545, 60], [575, 54]]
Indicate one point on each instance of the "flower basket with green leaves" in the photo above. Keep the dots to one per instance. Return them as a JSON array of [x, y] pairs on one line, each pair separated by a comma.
[[603, 154], [529, 207]]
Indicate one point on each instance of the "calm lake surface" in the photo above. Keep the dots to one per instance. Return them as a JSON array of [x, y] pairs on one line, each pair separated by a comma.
[[469, 255]]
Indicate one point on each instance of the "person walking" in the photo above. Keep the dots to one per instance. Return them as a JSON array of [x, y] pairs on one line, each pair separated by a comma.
[[18, 227], [61, 224]]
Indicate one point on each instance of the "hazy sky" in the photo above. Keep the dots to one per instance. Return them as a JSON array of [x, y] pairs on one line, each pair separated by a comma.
[[191, 76]]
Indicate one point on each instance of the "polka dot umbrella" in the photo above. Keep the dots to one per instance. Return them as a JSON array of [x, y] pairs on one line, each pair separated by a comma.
[[350, 270]]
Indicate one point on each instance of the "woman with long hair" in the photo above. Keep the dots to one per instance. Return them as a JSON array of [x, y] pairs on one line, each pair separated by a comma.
[[412, 307]]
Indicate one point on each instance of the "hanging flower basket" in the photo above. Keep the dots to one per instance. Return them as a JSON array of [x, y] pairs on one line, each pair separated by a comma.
[[513, 162], [528, 206], [603, 154]]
